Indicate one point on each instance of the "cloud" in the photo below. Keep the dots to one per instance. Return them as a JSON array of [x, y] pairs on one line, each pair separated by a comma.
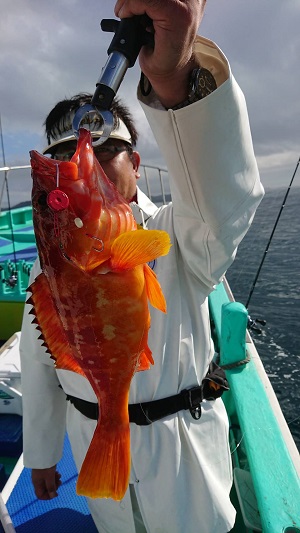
[[53, 50]]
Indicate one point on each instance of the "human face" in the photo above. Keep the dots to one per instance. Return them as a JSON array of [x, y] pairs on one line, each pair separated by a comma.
[[119, 162]]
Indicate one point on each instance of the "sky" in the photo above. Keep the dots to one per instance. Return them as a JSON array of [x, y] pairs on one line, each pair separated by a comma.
[[52, 50]]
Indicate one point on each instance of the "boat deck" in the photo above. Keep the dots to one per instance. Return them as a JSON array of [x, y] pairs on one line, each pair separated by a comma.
[[68, 512]]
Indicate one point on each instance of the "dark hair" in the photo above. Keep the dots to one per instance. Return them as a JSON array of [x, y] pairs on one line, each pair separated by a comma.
[[60, 117]]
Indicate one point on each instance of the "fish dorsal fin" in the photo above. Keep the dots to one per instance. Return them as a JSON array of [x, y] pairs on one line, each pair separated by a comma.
[[48, 322], [135, 248], [154, 291]]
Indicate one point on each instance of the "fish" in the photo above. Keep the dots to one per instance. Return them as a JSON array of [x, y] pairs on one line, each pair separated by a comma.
[[91, 300]]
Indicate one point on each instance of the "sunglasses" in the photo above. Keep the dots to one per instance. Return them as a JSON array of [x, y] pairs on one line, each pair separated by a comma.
[[103, 153]]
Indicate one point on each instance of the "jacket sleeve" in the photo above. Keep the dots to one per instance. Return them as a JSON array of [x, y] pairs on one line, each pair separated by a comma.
[[214, 179], [44, 403]]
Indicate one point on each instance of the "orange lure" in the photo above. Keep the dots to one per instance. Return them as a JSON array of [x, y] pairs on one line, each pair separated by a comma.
[[91, 300]]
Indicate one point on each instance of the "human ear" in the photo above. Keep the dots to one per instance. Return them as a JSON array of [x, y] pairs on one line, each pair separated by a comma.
[[136, 160]]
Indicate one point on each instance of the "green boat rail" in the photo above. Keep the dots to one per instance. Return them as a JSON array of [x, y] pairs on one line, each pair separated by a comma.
[[265, 458]]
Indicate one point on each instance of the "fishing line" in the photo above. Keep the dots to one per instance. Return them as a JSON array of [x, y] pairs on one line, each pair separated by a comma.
[[236, 445], [271, 236], [221, 459], [57, 176], [294, 420], [251, 240], [233, 444], [13, 278]]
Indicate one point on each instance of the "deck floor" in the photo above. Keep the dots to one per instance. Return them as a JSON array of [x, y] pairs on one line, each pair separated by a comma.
[[68, 513]]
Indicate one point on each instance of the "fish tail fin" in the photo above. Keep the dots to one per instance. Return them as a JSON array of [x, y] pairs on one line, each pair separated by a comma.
[[106, 467]]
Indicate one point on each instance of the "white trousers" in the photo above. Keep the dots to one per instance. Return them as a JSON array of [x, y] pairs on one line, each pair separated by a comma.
[[109, 516], [138, 524], [138, 520]]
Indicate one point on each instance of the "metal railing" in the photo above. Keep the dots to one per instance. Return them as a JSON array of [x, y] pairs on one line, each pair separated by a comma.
[[160, 178], [15, 185]]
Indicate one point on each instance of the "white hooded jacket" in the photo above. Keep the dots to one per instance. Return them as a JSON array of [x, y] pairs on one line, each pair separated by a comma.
[[181, 468]]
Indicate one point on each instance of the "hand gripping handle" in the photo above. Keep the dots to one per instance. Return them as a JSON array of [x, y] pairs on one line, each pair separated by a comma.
[[130, 35]]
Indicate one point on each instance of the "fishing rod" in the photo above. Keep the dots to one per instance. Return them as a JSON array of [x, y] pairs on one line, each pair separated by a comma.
[[252, 323], [4, 163], [12, 280]]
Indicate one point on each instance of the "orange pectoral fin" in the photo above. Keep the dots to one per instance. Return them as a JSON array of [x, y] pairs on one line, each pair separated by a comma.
[[154, 291], [48, 322], [145, 360], [135, 248]]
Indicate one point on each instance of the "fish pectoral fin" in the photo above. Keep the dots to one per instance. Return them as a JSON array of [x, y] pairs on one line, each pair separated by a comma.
[[145, 360], [154, 290], [135, 248], [48, 322]]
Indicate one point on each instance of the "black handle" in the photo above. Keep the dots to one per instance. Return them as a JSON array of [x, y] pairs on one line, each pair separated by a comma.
[[130, 36]]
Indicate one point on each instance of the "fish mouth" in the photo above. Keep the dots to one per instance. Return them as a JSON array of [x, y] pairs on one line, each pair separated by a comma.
[[45, 167], [51, 169]]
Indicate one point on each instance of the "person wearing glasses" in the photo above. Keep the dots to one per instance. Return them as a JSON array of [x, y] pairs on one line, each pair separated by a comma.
[[181, 472]]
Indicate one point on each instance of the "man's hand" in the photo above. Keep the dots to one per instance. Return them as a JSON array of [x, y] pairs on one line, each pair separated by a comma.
[[45, 482], [175, 25]]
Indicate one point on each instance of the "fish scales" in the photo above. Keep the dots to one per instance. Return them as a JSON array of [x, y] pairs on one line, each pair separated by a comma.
[[91, 299]]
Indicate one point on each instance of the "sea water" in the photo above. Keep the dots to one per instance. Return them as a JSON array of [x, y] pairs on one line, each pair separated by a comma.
[[276, 296]]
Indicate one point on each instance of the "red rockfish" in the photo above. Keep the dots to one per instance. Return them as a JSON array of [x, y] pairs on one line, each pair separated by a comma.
[[91, 299]]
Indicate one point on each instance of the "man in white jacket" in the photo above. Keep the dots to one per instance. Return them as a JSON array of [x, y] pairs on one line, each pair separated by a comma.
[[181, 466]]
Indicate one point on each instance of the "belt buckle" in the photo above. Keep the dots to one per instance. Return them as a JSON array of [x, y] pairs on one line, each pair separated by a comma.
[[195, 408]]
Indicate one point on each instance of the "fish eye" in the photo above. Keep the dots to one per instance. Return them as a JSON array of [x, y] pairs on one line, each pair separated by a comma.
[[42, 199]]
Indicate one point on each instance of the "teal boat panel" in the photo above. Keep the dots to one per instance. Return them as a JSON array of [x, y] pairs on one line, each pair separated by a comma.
[[16, 219], [26, 235], [273, 472], [17, 239]]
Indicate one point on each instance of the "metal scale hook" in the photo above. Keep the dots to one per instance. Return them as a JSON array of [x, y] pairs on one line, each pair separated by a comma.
[[130, 35]]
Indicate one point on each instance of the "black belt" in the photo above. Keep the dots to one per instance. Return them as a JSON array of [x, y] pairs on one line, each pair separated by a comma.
[[145, 413]]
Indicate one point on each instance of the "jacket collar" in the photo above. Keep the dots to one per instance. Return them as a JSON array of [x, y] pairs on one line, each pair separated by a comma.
[[143, 208]]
